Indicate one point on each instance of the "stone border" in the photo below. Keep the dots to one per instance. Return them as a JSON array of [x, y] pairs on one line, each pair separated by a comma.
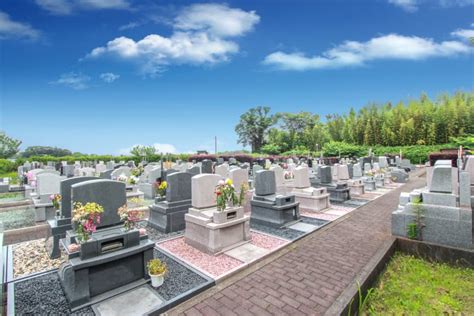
[[14, 236], [186, 295], [368, 276]]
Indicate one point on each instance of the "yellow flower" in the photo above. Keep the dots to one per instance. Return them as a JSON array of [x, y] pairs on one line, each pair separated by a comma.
[[228, 182]]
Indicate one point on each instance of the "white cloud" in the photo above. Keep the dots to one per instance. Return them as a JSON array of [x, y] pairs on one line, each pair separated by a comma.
[[64, 7], [109, 77], [200, 35], [160, 148], [463, 33], [129, 26], [216, 19], [13, 29], [76, 81], [407, 5], [352, 53], [413, 5]]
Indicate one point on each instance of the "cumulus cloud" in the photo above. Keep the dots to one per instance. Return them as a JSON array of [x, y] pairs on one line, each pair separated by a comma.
[[353, 53], [109, 77], [16, 30], [201, 35], [464, 33], [160, 148], [65, 7], [76, 81], [407, 5]]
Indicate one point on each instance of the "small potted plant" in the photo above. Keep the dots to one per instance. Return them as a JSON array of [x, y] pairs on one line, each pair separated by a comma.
[[156, 270]]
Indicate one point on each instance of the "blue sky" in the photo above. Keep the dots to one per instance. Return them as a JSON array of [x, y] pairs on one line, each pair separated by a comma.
[[99, 76]]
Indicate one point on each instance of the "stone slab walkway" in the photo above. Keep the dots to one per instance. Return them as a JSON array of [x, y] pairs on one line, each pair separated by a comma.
[[308, 276]]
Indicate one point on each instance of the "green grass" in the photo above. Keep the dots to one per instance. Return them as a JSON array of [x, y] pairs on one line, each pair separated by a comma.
[[415, 286], [12, 175]]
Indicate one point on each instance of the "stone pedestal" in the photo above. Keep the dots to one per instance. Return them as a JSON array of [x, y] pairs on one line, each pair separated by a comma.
[[312, 199], [213, 231], [96, 273], [379, 181], [356, 187], [369, 184], [168, 217], [274, 210]]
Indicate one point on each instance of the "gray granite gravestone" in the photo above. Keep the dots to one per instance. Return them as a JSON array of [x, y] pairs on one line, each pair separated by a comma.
[[168, 216], [267, 207], [59, 225], [206, 166], [194, 170], [112, 258]]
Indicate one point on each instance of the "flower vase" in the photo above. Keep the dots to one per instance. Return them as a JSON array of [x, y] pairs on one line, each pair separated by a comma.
[[157, 280]]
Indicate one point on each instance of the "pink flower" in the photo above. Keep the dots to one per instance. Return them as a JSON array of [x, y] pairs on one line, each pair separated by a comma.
[[221, 182], [142, 231]]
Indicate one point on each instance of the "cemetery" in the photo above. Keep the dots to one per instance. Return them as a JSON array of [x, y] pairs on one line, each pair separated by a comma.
[[92, 240], [236, 158]]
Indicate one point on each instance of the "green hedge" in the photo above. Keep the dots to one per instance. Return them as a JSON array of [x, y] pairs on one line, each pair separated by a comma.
[[416, 154], [9, 166]]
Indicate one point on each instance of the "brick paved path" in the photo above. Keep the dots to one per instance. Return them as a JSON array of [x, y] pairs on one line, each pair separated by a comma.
[[308, 278]]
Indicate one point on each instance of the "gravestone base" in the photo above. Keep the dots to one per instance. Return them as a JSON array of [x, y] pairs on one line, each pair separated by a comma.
[[356, 187], [339, 192], [212, 231], [138, 194], [370, 185], [168, 217], [379, 182], [269, 214], [311, 199], [87, 281]]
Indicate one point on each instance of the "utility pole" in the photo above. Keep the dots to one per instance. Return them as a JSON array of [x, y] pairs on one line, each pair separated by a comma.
[[215, 144]]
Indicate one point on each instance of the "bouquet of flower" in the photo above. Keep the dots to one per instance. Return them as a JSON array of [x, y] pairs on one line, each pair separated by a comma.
[[137, 171], [288, 175], [130, 217], [122, 178], [86, 217], [225, 194], [133, 180], [161, 188], [55, 199]]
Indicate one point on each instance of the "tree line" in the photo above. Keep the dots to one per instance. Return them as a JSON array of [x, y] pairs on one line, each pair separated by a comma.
[[419, 121]]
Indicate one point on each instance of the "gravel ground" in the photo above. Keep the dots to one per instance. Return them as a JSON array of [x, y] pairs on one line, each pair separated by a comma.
[[9, 197], [178, 279], [17, 218], [43, 295], [155, 235], [31, 257], [213, 265]]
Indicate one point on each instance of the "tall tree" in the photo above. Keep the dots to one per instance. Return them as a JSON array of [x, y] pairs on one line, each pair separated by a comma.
[[253, 127], [8, 146]]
